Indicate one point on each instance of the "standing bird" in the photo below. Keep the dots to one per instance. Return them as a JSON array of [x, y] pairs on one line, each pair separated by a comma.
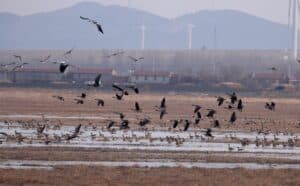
[[137, 107], [175, 123], [220, 100], [240, 105], [121, 115], [100, 102], [216, 124], [198, 118], [79, 101], [124, 124], [162, 108], [144, 122], [208, 132], [233, 98], [233, 118], [96, 82], [83, 95], [99, 27], [187, 125]]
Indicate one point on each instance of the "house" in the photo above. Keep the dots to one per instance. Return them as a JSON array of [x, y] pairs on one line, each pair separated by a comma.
[[150, 77], [29, 75]]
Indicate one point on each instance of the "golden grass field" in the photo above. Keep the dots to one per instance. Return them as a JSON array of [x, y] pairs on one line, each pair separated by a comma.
[[22, 101]]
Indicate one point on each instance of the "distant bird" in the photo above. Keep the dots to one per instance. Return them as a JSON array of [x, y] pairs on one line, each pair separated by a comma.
[[273, 69], [175, 123], [63, 67], [68, 52], [40, 129], [270, 106], [233, 98], [187, 125], [83, 95], [45, 59], [124, 124], [19, 66], [196, 108], [79, 101], [137, 107], [229, 107], [216, 124], [220, 100], [121, 115], [136, 59], [233, 118], [144, 122], [208, 132], [8, 64], [110, 124], [99, 27], [59, 98], [118, 88], [211, 113], [134, 88], [97, 81], [198, 118], [240, 105], [162, 108], [18, 57], [119, 96], [115, 54], [75, 133], [100, 102]]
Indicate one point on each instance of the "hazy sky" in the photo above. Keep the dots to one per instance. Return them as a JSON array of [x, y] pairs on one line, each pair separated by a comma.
[[276, 10]]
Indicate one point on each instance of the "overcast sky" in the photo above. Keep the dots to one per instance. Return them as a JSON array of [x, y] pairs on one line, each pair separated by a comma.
[[275, 10]]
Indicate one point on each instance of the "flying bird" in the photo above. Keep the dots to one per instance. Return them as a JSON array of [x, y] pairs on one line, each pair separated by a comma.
[[208, 132], [198, 118], [68, 52], [110, 124], [233, 98], [144, 122], [216, 124], [136, 59], [97, 81], [124, 124], [134, 88], [211, 113], [99, 27], [59, 98], [187, 125], [19, 66], [45, 59], [196, 108], [18, 57], [83, 95], [115, 54], [220, 100], [175, 123]]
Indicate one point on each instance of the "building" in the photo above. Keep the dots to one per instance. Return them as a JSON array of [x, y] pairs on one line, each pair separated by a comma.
[[83, 75], [150, 77]]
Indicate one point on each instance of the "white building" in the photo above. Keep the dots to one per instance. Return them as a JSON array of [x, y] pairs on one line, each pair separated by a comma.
[[149, 77]]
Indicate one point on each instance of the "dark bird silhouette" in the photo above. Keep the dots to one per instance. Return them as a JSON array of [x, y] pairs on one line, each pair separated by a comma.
[[208, 132], [198, 118], [8, 64], [211, 113], [97, 81], [135, 59], [59, 98], [18, 57], [175, 123], [196, 108], [99, 27], [233, 98], [229, 107], [110, 124], [273, 69], [187, 125], [137, 107], [121, 115], [233, 118], [162, 108], [119, 96], [144, 122], [79, 101], [75, 133], [45, 59], [216, 124], [120, 89], [100, 102], [134, 88], [270, 106], [83, 95], [220, 100], [240, 105], [63, 67], [124, 124]]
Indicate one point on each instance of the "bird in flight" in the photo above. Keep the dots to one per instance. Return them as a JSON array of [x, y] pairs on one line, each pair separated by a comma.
[[97, 81], [19, 66], [220, 100], [99, 27], [115, 54], [18, 57], [45, 59], [59, 98], [136, 59], [68, 52]]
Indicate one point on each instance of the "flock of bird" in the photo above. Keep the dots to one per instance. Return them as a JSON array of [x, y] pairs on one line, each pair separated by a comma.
[[235, 104]]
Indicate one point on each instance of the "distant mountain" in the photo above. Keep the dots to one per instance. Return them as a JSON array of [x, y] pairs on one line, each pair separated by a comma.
[[64, 29]]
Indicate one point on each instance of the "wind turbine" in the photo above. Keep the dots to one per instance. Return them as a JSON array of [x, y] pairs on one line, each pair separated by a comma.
[[190, 35]]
